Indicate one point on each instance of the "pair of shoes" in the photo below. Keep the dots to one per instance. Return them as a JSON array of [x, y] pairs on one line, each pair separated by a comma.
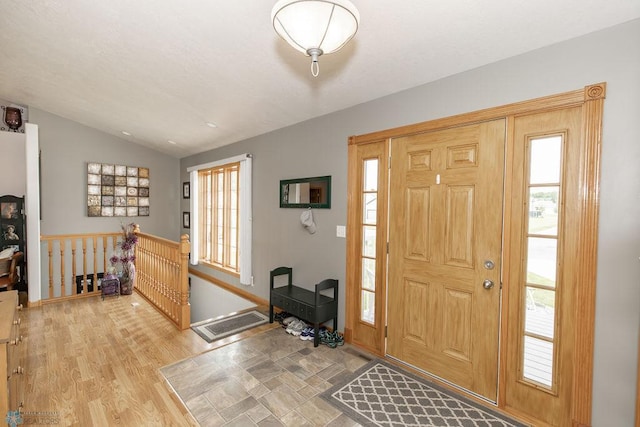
[[296, 327], [287, 320], [331, 339], [279, 317], [309, 333], [291, 324]]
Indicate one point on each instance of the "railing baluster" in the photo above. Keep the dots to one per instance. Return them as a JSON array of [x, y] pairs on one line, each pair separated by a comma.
[[183, 283], [62, 245], [50, 252], [105, 243], [95, 264], [73, 267], [84, 266]]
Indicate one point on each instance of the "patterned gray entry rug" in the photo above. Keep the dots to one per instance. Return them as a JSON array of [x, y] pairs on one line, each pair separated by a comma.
[[211, 330], [380, 394]]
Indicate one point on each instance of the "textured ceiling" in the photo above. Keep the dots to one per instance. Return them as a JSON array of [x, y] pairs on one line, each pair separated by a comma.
[[161, 69]]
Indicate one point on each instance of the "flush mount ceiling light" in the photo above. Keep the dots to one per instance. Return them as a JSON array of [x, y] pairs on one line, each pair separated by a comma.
[[315, 27]]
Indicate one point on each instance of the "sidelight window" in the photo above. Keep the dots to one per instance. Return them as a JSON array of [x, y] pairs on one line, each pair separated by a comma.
[[544, 211], [369, 194]]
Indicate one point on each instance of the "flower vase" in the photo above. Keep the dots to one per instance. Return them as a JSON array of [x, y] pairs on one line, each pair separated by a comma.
[[127, 280]]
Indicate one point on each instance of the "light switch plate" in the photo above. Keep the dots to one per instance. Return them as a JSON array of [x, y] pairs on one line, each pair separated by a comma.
[[341, 231]]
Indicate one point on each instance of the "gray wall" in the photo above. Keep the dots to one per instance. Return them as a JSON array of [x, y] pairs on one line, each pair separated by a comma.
[[66, 148], [319, 147]]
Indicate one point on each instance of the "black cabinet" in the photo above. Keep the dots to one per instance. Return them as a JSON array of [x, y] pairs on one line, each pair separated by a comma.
[[311, 306], [13, 230]]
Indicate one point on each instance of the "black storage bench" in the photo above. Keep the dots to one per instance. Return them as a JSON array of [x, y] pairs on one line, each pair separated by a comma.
[[311, 306]]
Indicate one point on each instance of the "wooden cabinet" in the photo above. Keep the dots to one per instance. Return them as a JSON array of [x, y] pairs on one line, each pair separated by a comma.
[[13, 230], [11, 396]]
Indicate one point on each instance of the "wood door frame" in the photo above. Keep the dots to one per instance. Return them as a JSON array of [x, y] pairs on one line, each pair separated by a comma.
[[354, 221], [591, 100]]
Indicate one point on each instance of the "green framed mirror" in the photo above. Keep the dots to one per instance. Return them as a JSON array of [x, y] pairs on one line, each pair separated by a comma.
[[312, 192]]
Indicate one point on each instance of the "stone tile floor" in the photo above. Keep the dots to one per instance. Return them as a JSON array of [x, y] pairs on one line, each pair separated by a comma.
[[269, 379]]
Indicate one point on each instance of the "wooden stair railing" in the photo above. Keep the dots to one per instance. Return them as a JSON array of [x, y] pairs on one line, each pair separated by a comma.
[[162, 270], [85, 256], [162, 276]]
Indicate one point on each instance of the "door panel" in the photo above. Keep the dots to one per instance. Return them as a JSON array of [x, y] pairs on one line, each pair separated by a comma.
[[457, 324], [417, 233], [417, 301], [459, 226], [445, 221]]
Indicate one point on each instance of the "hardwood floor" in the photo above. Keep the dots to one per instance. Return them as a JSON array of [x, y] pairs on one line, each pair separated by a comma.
[[90, 362]]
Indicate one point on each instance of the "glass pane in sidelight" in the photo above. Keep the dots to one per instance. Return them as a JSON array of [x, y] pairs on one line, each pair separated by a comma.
[[538, 360], [369, 241], [369, 208], [543, 210], [542, 258], [369, 274], [546, 155], [540, 313], [371, 175], [368, 307]]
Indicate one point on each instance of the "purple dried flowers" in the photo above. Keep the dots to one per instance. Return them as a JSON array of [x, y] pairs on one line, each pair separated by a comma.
[[125, 251]]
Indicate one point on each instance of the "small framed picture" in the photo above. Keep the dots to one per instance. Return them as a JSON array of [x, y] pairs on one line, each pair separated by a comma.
[[9, 232], [9, 210], [186, 190], [186, 219]]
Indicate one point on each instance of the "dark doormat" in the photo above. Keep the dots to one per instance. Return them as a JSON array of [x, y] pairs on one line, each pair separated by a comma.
[[382, 394], [211, 330]]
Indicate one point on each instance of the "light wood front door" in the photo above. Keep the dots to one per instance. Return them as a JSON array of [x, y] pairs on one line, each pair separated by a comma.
[[445, 234]]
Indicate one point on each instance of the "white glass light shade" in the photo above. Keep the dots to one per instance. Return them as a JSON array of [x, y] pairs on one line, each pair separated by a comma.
[[315, 24]]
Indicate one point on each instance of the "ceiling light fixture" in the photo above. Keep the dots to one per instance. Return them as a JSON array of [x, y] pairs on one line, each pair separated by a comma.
[[124, 132], [315, 27]]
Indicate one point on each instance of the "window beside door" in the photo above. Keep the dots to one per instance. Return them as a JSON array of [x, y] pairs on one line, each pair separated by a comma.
[[369, 242], [544, 185]]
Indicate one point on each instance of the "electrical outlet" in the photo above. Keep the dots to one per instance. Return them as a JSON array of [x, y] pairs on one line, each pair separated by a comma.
[[341, 231]]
